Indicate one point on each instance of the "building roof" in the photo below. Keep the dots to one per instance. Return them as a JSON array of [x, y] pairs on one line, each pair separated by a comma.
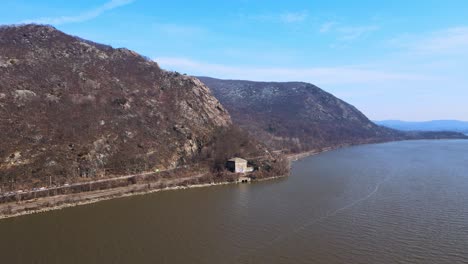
[[238, 160]]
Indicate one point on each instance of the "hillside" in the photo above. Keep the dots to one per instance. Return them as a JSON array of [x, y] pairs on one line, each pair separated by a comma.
[[71, 108], [434, 125], [297, 116]]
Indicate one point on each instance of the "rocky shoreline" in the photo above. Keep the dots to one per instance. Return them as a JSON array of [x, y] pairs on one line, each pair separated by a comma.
[[46, 204], [51, 203], [86, 198]]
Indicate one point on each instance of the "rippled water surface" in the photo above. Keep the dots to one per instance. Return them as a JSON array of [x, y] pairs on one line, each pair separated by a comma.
[[404, 202]]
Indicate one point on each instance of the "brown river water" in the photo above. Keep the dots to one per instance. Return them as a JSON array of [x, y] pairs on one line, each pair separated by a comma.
[[401, 202]]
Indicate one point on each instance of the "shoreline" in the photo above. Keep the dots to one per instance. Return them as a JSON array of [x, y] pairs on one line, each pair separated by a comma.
[[302, 155], [52, 203], [298, 156], [85, 201]]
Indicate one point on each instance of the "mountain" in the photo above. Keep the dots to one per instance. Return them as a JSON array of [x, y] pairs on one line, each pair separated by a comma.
[[74, 110], [71, 108], [295, 116], [435, 125], [298, 116]]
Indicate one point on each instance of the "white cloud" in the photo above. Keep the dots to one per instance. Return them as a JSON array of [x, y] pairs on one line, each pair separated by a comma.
[[293, 17], [285, 17], [347, 33], [448, 41], [354, 32], [326, 27], [317, 75], [85, 16]]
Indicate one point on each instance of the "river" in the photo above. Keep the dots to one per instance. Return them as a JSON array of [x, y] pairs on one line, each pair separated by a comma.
[[399, 202]]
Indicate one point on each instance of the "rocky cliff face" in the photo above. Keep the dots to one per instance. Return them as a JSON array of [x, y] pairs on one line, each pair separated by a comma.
[[294, 115], [70, 108]]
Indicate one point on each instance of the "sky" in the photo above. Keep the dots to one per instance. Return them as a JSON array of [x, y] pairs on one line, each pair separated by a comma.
[[396, 59]]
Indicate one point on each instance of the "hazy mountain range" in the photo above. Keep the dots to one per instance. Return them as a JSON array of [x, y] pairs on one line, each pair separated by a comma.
[[434, 125]]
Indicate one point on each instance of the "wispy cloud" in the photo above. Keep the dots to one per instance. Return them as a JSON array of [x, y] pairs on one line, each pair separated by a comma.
[[354, 32], [327, 26], [318, 75], [452, 40], [347, 33], [286, 17], [85, 16], [293, 17]]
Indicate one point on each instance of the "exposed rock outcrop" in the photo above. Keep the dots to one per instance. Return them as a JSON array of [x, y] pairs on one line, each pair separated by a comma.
[[70, 108]]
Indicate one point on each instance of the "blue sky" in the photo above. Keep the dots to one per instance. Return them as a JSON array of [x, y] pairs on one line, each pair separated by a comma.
[[392, 59]]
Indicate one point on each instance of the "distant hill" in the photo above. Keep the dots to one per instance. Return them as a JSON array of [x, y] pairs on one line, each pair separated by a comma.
[[435, 125], [296, 116]]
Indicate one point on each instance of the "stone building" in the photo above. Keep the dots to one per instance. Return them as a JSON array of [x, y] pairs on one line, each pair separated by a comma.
[[238, 165]]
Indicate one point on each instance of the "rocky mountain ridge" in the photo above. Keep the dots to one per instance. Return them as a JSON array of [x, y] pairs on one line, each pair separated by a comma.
[[73, 108], [298, 116]]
